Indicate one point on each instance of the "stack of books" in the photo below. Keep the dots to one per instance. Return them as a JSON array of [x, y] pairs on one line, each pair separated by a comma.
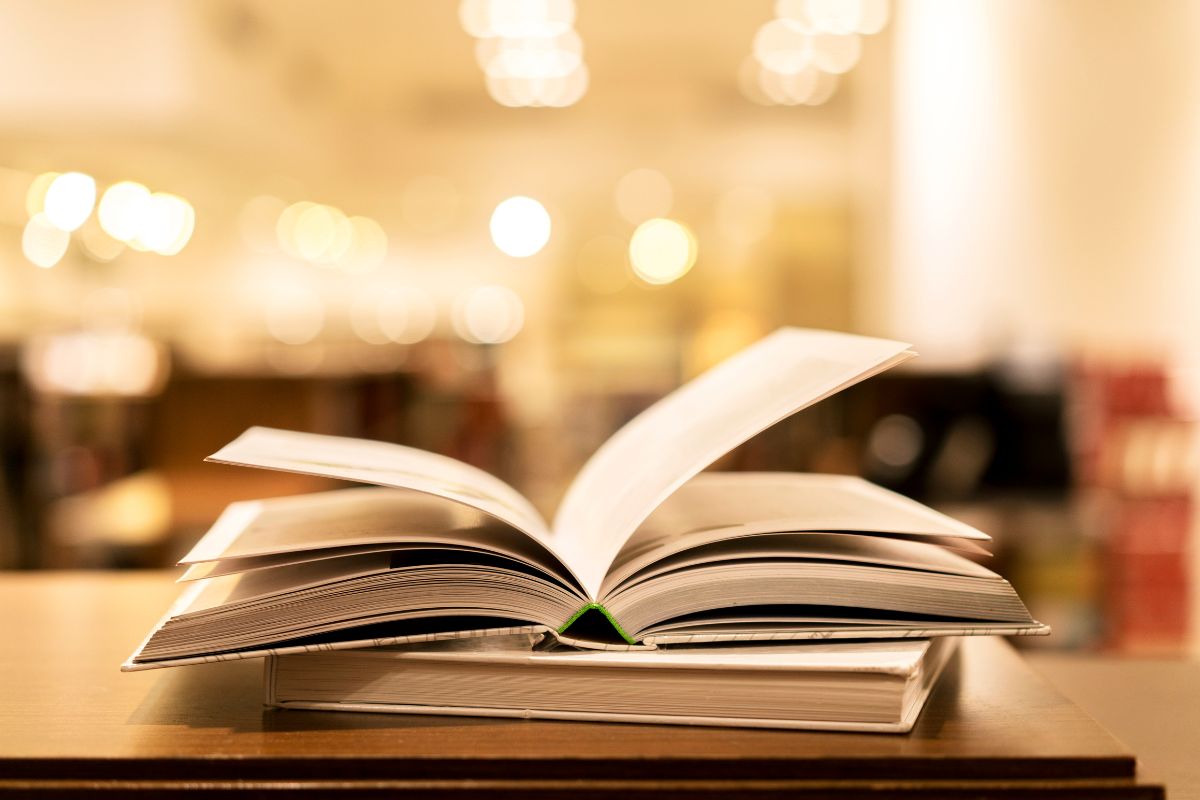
[[660, 593]]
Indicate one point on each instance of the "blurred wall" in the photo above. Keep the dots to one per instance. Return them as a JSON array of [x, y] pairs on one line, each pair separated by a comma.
[[1044, 171], [1045, 176]]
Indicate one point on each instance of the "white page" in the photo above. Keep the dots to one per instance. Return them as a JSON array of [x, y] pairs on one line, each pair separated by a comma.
[[848, 547], [387, 464], [668, 443], [715, 506], [232, 566], [361, 517]]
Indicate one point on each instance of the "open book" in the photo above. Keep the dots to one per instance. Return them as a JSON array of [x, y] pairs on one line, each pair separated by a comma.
[[855, 686], [644, 550]]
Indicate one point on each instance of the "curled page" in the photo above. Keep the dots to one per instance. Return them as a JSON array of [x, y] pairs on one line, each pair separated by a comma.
[[386, 464], [668, 443]]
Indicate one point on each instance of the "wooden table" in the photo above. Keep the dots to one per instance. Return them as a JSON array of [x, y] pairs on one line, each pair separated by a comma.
[[70, 721]]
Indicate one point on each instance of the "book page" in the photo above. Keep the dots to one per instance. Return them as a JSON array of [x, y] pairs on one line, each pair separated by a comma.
[[668, 443], [283, 530], [849, 547], [718, 506], [387, 464]]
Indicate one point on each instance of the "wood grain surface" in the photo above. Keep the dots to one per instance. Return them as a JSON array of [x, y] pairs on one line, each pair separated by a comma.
[[71, 721]]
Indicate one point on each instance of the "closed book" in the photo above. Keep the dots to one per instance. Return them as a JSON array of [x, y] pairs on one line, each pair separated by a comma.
[[853, 686]]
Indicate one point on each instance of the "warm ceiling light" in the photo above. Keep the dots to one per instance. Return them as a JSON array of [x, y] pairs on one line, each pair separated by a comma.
[[44, 243], [166, 224], [520, 226], [122, 208], [662, 251], [70, 199], [783, 46], [406, 315], [489, 315]]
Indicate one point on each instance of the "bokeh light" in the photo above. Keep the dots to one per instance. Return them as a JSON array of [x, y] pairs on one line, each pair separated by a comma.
[[295, 315], [530, 57], [528, 50], [70, 199], [791, 89], [836, 16], [405, 315], [783, 46], [520, 226], [368, 246], [836, 53], [122, 208], [314, 232], [662, 251], [540, 18], [166, 224], [489, 315], [98, 244], [42, 242], [95, 363]]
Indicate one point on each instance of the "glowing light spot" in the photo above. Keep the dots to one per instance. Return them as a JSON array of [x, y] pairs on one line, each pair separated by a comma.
[[295, 315], [662, 251], [874, 16], [790, 90], [827, 84], [43, 243], [836, 16], [368, 246], [567, 90], [896, 441], [70, 199], [98, 244], [314, 232], [475, 18], [835, 53], [531, 57], [489, 315], [520, 226], [364, 319], [553, 92], [166, 224], [406, 315], [643, 194], [285, 227], [122, 208], [783, 46], [95, 363], [540, 18]]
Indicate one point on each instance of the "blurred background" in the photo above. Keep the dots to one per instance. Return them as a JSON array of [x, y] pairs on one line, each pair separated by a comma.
[[498, 229]]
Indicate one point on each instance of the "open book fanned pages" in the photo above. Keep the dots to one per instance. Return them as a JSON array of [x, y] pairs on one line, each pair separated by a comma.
[[646, 550], [876, 686]]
